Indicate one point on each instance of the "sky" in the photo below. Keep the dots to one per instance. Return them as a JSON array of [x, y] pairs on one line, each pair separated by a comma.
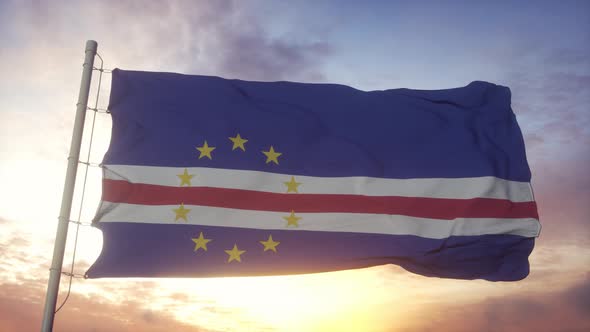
[[540, 49]]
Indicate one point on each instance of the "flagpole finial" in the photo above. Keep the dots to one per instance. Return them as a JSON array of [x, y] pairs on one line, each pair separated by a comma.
[[91, 45]]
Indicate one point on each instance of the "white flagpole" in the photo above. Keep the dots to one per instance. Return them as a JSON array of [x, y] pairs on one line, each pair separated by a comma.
[[68, 194]]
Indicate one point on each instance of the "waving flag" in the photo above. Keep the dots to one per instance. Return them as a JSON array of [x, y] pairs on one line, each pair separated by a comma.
[[210, 177]]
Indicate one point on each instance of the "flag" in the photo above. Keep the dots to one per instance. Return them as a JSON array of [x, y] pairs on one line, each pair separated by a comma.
[[210, 177]]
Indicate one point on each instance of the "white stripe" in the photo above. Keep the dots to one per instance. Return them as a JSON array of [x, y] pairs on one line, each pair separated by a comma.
[[460, 188], [324, 222]]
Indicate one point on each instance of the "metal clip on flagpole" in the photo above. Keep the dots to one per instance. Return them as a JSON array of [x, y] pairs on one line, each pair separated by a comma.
[[68, 194]]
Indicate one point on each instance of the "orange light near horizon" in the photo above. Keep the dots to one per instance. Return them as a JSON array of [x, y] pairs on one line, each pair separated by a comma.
[[338, 301]]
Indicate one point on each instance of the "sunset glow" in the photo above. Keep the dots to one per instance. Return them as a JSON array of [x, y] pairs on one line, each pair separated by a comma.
[[540, 50]]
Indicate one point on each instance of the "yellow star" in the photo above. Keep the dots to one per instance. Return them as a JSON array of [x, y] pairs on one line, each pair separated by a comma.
[[272, 155], [292, 219], [181, 212], [185, 178], [205, 150], [270, 244], [292, 185], [201, 242], [234, 254], [238, 142]]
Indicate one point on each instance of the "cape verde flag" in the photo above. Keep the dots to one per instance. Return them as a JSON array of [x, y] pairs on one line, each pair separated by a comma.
[[208, 177]]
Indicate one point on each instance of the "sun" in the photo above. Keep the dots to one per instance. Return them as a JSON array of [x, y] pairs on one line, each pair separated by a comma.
[[336, 301]]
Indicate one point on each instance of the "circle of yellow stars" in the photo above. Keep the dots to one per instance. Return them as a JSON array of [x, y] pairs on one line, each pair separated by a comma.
[[272, 157]]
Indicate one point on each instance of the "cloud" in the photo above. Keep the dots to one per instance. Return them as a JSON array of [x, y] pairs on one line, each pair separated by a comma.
[[21, 307], [519, 311], [570, 57], [257, 57], [579, 297], [222, 38]]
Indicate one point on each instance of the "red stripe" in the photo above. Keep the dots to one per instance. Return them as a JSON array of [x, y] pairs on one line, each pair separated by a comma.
[[436, 208]]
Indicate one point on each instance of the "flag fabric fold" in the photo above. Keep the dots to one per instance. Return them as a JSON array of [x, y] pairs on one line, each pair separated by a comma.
[[210, 177]]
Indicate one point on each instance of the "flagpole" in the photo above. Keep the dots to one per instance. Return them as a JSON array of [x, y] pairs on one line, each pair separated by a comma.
[[68, 193]]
